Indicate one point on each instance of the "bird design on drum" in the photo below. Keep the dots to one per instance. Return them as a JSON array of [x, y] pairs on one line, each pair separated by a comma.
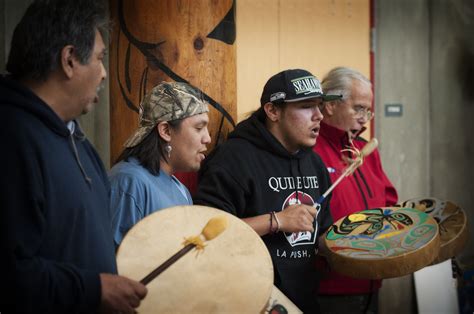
[[374, 218]]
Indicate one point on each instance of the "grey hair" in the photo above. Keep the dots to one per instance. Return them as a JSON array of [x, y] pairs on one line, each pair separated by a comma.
[[339, 81]]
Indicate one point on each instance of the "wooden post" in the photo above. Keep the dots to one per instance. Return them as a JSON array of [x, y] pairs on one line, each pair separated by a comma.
[[171, 40]]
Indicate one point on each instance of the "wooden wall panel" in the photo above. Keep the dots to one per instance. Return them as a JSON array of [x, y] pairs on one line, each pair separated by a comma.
[[257, 50], [317, 35]]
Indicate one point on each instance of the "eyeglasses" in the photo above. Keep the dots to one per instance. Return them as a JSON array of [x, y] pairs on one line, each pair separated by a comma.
[[361, 112]]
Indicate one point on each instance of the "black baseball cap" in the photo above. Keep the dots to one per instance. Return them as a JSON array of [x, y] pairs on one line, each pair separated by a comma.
[[292, 86]]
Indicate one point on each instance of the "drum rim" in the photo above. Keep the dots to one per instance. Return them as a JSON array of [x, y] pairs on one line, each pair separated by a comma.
[[455, 245]]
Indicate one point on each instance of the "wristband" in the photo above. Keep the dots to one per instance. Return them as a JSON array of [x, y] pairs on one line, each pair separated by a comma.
[[271, 224]]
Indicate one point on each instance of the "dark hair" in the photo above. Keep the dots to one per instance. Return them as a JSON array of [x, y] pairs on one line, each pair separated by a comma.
[[150, 151], [46, 28], [262, 115]]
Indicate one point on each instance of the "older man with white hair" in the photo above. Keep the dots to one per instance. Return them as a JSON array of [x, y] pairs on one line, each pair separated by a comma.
[[344, 119]]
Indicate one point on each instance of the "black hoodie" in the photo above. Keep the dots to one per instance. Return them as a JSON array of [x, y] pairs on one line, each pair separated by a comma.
[[253, 174], [56, 227]]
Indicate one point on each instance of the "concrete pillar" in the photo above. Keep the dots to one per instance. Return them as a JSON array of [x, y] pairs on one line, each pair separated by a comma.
[[452, 107], [402, 77]]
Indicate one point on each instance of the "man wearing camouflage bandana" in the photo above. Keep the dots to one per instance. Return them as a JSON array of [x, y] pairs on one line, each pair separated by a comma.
[[172, 136]]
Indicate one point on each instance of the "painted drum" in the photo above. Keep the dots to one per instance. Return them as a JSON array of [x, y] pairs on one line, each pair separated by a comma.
[[382, 243], [233, 273], [452, 221]]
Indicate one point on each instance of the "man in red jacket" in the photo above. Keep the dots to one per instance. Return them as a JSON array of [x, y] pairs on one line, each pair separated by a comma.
[[368, 187]]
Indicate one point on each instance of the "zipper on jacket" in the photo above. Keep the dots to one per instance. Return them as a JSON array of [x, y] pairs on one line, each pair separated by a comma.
[[361, 191], [72, 133], [365, 183]]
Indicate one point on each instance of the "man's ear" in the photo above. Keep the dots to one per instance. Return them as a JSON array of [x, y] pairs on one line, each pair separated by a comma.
[[273, 112], [164, 131], [68, 60], [329, 108]]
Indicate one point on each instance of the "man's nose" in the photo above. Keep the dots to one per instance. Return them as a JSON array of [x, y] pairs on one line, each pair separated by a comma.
[[104, 72], [317, 114], [207, 137]]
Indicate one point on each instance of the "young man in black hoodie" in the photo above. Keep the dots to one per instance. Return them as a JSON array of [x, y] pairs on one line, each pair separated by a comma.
[[57, 248], [267, 174]]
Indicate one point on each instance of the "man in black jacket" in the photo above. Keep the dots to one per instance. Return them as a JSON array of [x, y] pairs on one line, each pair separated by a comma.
[[267, 174], [57, 249]]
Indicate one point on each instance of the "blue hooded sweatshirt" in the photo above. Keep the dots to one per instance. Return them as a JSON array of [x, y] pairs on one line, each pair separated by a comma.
[[56, 231]]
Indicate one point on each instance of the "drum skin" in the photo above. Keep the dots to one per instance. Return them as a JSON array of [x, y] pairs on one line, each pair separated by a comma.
[[233, 273], [382, 243], [452, 221]]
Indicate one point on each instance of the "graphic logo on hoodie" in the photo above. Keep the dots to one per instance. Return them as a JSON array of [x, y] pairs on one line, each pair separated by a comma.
[[306, 237]]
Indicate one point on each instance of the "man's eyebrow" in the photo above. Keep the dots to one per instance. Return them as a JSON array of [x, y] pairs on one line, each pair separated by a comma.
[[202, 122]]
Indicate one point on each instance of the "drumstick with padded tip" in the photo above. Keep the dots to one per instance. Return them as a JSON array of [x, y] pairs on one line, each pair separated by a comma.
[[214, 227], [365, 151]]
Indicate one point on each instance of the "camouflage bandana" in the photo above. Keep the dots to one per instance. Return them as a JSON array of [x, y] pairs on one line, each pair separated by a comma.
[[166, 102]]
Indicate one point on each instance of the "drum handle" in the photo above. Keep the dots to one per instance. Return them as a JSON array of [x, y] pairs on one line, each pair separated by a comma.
[[170, 261], [214, 227]]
